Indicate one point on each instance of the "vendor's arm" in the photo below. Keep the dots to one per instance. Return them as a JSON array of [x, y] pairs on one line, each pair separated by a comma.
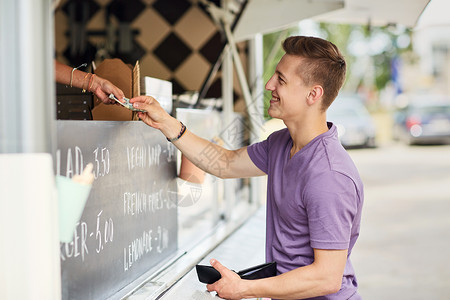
[[322, 277], [90, 82], [226, 163]]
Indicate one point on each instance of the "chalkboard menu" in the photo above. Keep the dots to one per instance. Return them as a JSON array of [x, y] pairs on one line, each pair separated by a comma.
[[129, 223]]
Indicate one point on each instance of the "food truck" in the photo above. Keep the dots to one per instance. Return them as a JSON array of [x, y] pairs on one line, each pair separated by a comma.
[[150, 215]]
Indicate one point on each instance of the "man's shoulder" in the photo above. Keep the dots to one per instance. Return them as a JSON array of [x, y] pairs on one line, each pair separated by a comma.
[[341, 164], [276, 138], [337, 156]]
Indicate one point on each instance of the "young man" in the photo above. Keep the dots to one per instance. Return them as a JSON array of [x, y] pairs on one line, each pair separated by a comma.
[[314, 194]]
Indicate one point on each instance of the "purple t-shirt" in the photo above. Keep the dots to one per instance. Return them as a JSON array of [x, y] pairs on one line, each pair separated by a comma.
[[314, 200]]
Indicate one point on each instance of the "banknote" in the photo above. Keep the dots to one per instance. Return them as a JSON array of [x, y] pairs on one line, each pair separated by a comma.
[[127, 103]]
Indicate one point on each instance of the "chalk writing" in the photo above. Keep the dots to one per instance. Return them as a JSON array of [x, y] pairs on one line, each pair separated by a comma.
[[104, 234], [154, 154], [74, 162], [143, 156], [101, 162], [163, 239], [78, 245], [143, 245], [108, 232], [136, 203]]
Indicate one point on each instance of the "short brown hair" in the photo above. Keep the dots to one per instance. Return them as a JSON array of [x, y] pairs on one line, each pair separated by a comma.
[[324, 64]]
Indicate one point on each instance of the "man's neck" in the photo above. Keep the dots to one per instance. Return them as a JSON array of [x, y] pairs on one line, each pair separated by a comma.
[[304, 131]]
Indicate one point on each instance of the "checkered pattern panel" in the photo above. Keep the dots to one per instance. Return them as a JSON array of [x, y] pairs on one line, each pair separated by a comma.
[[174, 40]]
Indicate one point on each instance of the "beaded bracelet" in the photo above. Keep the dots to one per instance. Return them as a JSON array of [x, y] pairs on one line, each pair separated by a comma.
[[84, 90], [91, 82], [182, 131]]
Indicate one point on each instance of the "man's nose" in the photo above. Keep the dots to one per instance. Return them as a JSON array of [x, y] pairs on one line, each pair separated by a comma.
[[269, 85]]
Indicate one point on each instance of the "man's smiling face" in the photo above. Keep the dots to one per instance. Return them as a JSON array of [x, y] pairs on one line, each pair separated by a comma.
[[288, 89]]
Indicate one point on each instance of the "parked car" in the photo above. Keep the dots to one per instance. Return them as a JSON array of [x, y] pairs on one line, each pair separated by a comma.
[[425, 120], [355, 125]]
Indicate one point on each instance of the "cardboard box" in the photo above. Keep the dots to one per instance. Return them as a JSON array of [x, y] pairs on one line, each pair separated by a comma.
[[129, 80], [125, 77]]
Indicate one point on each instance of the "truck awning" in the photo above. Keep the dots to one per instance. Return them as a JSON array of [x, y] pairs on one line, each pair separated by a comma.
[[377, 12], [263, 16]]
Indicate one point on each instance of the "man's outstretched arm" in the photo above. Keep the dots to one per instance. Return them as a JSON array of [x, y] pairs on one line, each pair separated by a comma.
[[206, 155]]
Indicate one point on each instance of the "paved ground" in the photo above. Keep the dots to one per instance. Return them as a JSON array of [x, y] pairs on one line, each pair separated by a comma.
[[404, 248]]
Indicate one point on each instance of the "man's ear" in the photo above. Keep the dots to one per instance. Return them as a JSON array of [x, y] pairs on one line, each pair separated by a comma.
[[315, 94]]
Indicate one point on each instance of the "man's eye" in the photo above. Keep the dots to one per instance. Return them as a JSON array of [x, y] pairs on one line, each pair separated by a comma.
[[280, 79]]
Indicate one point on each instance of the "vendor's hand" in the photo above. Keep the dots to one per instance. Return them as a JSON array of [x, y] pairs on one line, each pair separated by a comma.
[[102, 88], [230, 286], [155, 115]]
